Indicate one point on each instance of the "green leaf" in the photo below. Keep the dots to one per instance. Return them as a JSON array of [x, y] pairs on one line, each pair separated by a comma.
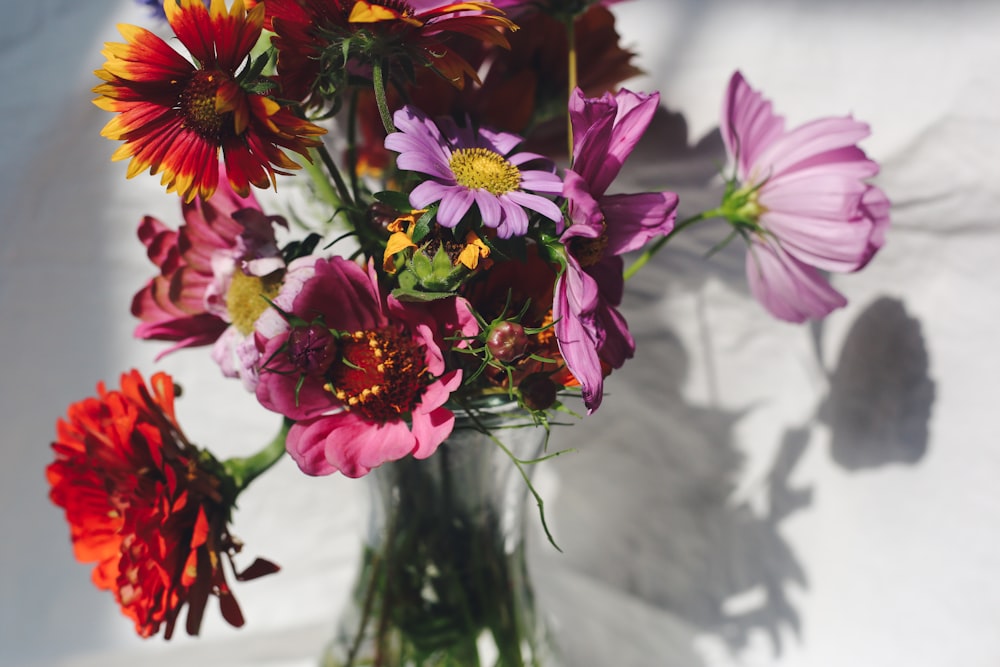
[[404, 294], [398, 200]]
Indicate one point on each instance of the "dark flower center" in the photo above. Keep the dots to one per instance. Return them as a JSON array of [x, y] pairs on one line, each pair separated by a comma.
[[312, 349], [588, 252], [381, 374], [197, 104]]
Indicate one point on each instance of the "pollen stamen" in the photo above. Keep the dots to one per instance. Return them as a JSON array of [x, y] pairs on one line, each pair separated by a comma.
[[481, 168]]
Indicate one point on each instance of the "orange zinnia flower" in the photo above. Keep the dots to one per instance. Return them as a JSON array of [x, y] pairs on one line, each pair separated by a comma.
[[149, 508], [318, 41], [175, 115]]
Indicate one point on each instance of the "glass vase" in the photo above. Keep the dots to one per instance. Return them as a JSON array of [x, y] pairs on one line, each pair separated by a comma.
[[443, 578]]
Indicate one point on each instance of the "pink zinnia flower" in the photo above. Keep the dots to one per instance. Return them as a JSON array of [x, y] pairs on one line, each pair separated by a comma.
[[802, 199], [363, 376], [593, 336], [213, 271], [472, 166]]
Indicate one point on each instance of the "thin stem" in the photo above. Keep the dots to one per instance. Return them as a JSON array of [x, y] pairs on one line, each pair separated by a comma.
[[352, 144], [378, 80], [338, 179], [662, 241], [324, 188], [245, 470], [571, 68]]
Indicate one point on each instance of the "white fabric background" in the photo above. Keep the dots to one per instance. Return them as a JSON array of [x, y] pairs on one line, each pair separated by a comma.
[[752, 493]]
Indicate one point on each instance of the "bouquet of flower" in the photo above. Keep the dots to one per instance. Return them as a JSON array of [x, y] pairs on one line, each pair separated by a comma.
[[470, 249]]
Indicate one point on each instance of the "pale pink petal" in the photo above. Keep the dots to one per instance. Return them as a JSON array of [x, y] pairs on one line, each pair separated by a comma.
[[787, 288]]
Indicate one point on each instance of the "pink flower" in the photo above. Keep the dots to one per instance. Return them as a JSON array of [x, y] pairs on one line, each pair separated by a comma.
[[363, 376], [802, 199], [593, 336], [213, 271]]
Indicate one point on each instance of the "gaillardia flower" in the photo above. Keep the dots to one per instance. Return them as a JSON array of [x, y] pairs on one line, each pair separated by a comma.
[[146, 506], [363, 376], [175, 116], [802, 199], [318, 41], [472, 166], [592, 334], [216, 272]]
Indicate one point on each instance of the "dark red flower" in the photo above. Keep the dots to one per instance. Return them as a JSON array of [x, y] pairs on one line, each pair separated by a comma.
[[146, 506], [318, 41]]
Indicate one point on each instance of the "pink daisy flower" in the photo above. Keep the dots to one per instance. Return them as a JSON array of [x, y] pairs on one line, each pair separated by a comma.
[[213, 271], [363, 375], [469, 166], [802, 199]]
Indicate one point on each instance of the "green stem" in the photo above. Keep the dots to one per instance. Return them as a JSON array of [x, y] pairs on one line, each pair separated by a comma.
[[662, 241], [338, 179], [324, 188], [245, 470], [378, 80], [572, 77], [352, 144]]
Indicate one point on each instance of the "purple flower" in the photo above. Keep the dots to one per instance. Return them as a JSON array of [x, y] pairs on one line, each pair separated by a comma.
[[803, 199], [472, 166], [593, 336]]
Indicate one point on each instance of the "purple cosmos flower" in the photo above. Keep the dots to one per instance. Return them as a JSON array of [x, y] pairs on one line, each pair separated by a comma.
[[376, 391], [592, 334], [213, 270], [804, 196], [472, 166]]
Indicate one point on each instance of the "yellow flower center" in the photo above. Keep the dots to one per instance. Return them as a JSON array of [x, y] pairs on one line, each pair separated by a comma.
[[481, 168], [197, 104], [381, 374], [245, 299]]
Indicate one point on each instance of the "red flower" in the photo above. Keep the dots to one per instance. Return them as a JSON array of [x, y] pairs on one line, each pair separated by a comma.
[[317, 39], [174, 116], [149, 508]]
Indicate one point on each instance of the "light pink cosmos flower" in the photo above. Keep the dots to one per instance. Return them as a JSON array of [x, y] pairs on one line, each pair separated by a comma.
[[802, 198], [593, 336], [362, 375], [469, 166], [189, 301]]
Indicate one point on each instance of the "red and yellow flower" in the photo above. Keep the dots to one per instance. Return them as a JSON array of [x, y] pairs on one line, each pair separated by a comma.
[[175, 116], [146, 506]]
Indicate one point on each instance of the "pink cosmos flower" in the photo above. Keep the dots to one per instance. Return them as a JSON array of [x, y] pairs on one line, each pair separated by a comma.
[[213, 270], [803, 201], [593, 336], [472, 166], [363, 376]]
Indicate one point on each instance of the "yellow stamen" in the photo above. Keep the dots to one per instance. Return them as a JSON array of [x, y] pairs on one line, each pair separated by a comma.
[[245, 298], [481, 168]]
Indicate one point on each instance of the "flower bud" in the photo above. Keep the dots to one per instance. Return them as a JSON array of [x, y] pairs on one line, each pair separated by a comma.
[[538, 391], [507, 341], [312, 349]]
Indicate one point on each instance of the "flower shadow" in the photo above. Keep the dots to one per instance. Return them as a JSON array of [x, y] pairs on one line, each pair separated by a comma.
[[646, 508], [881, 394]]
